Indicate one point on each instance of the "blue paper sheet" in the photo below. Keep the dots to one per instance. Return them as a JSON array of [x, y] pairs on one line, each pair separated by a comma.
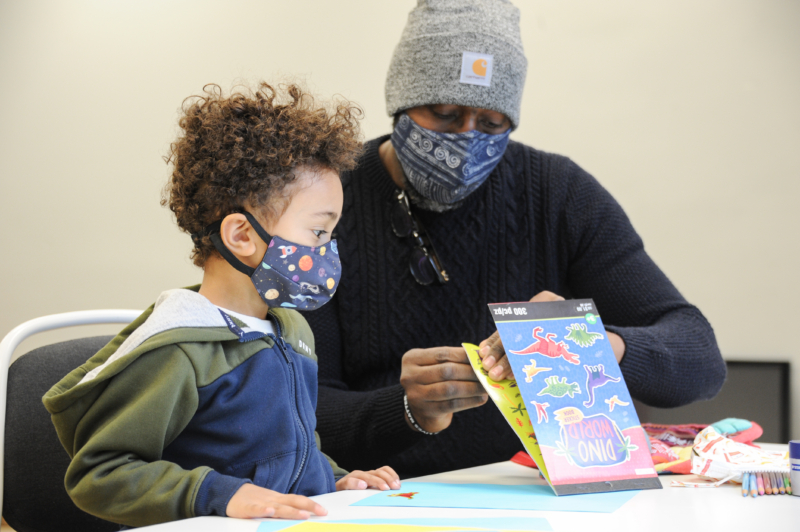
[[496, 496], [488, 523]]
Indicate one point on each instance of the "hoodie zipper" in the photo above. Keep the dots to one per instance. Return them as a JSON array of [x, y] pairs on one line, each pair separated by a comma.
[[282, 348]]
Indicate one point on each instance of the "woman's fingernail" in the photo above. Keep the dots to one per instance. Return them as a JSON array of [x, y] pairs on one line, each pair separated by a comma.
[[362, 485], [496, 371], [489, 362]]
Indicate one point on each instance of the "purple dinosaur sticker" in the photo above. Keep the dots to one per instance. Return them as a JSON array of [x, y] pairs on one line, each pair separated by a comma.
[[595, 378]]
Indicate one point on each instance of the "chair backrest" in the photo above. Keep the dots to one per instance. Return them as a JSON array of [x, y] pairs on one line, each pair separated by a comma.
[[32, 461]]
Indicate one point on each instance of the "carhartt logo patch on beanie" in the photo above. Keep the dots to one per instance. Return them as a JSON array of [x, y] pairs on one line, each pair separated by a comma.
[[476, 69], [462, 52]]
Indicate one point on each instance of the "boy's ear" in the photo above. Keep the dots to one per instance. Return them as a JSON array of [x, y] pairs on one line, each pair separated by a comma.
[[238, 236]]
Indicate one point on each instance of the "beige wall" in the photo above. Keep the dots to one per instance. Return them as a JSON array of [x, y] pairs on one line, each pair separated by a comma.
[[688, 112]]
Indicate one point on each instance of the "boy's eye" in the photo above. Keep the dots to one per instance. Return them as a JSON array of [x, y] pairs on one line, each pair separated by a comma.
[[319, 232]]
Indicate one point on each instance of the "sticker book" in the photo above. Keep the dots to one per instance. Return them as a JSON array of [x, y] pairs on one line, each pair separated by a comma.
[[582, 428]]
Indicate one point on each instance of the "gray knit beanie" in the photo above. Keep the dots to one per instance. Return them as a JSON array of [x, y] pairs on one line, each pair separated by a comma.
[[463, 52]]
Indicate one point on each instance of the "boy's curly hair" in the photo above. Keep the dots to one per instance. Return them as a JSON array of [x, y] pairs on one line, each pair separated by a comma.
[[243, 149]]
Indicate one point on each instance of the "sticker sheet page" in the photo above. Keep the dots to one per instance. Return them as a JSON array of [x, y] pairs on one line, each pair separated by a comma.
[[578, 406], [506, 396]]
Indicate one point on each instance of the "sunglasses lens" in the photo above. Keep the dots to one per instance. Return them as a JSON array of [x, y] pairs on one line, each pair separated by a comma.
[[422, 267], [402, 223]]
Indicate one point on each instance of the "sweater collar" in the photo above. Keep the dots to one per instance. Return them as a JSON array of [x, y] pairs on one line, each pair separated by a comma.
[[372, 165]]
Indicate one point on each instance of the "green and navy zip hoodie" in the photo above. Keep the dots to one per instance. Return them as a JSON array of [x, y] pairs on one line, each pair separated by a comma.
[[184, 406]]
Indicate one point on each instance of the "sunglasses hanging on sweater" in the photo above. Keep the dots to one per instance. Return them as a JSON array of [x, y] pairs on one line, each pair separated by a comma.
[[423, 263]]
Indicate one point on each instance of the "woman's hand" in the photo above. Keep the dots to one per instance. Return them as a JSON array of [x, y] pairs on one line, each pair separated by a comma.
[[492, 352], [439, 381]]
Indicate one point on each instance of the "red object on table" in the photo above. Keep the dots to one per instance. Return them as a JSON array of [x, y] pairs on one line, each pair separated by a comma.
[[524, 458]]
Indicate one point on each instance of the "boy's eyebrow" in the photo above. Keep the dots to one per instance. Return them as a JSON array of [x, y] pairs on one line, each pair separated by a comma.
[[326, 214]]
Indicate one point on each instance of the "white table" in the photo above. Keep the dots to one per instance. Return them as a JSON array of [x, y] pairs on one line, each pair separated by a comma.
[[666, 510]]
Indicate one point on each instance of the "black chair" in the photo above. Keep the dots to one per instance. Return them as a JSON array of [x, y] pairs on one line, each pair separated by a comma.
[[757, 391], [34, 461]]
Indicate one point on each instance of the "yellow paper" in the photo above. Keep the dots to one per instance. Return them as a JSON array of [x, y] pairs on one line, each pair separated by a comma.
[[508, 399], [322, 526]]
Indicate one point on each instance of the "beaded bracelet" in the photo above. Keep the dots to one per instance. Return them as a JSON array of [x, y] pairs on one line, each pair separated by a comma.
[[414, 421]]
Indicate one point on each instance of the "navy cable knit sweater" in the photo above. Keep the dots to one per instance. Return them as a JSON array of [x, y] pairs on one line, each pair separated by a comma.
[[538, 223]]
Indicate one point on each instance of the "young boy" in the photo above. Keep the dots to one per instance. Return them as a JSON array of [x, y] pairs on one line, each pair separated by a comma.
[[205, 404]]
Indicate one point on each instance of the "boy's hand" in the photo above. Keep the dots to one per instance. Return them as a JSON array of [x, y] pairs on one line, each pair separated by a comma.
[[252, 501], [383, 479]]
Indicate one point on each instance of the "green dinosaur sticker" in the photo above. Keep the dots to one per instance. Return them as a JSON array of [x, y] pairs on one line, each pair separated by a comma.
[[581, 336], [559, 389]]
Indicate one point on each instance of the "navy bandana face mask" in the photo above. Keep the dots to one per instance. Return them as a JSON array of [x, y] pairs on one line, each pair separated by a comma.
[[446, 167], [290, 275]]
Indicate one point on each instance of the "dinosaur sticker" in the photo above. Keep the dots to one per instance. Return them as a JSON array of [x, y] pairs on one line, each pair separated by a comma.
[[531, 371], [547, 347], [558, 388], [541, 411], [409, 495], [595, 378], [580, 336], [614, 401]]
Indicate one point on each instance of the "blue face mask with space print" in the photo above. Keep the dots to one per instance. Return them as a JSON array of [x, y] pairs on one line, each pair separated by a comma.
[[446, 167], [290, 275]]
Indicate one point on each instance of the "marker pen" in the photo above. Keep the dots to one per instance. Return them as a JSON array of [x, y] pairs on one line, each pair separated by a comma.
[[794, 467]]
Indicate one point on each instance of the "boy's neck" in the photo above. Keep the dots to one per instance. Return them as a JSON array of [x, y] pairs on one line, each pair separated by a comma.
[[228, 288]]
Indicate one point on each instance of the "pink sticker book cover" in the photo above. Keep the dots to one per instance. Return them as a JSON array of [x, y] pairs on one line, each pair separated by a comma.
[[580, 409]]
